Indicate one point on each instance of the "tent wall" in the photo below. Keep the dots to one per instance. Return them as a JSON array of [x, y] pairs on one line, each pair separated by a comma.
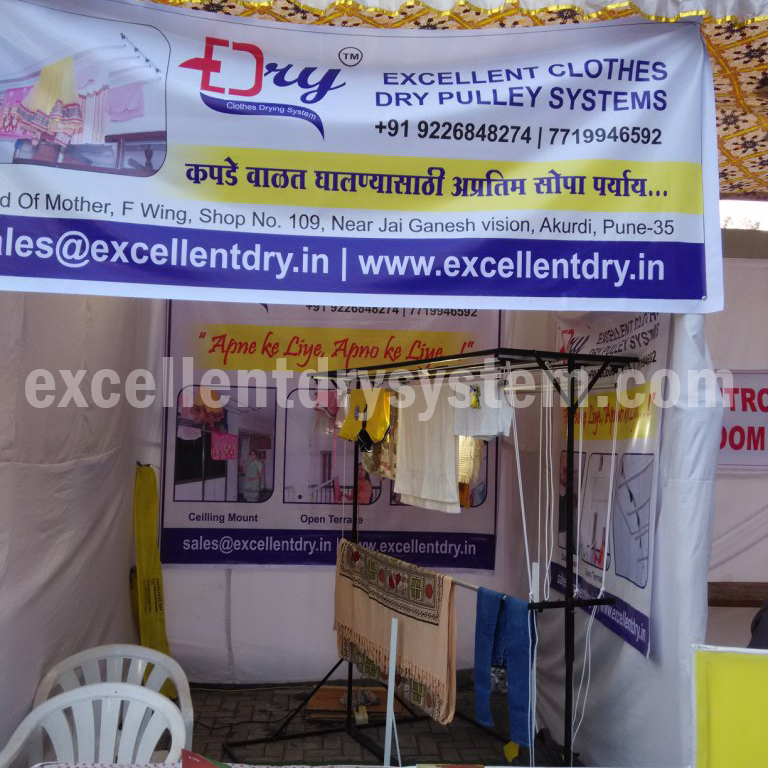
[[639, 710], [225, 625], [738, 341], [65, 545], [66, 475]]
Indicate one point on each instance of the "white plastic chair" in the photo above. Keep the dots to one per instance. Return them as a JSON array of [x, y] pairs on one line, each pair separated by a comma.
[[104, 723], [120, 663]]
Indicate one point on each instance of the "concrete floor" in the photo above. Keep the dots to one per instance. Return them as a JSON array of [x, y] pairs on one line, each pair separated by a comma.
[[226, 715]]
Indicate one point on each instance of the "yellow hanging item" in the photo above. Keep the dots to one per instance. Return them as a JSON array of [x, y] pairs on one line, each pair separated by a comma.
[[149, 575], [376, 418], [52, 106], [511, 750]]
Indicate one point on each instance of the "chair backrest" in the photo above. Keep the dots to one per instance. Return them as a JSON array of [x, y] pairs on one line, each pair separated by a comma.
[[104, 723], [120, 663]]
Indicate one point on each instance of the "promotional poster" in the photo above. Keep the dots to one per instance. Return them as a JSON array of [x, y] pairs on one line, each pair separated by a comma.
[[158, 153], [260, 474], [617, 443]]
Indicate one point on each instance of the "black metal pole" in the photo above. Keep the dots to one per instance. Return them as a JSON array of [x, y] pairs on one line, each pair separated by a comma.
[[570, 608], [355, 528]]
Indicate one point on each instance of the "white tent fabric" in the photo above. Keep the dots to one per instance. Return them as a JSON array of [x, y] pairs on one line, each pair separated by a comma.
[[65, 546], [66, 505], [639, 710], [226, 625], [740, 537], [740, 540]]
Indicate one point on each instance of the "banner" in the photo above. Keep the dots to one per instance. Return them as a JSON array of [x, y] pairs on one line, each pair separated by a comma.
[[617, 442], [255, 471], [149, 151], [745, 420]]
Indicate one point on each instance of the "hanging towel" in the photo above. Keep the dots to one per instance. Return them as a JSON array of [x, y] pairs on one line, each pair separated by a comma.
[[125, 102], [492, 418], [91, 76], [9, 119], [92, 105], [52, 106], [325, 401], [223, 446], [487, 653], [188, 433], [427, 455], [504, 637], [370, 589], [519, 657]]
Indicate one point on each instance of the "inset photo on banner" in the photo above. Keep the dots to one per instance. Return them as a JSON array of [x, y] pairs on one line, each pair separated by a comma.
[[225, 441], [89, 95], [594, 545], [618, 434], [264, 465], [631, 520], [320, 470]]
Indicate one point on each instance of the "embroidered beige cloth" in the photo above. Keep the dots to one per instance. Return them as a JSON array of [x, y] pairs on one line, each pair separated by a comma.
[[370, 589]]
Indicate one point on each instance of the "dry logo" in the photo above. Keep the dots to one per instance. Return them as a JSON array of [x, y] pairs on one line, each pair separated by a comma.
[[239, 69]]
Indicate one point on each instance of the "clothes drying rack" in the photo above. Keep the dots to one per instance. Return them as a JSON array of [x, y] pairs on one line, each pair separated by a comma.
[[482, 363]]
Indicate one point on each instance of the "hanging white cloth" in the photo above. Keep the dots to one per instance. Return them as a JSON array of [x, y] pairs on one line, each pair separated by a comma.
[[427, 455], [491, 418]]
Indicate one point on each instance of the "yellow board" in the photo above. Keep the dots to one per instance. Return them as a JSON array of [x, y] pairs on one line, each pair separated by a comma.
[[637, 417], [670, 187], [731, 708], [255, 347], [149, 575]]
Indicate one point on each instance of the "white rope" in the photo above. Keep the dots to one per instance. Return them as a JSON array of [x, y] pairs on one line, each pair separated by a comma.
[[547, 457], [522, 502], [343, 486], [532, 670], [587, 666], [578, 503], [541, 460], [610, 489], [532, 683], [552, 500]]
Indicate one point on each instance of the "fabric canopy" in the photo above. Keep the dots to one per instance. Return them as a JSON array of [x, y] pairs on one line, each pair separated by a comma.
[[736, 32]]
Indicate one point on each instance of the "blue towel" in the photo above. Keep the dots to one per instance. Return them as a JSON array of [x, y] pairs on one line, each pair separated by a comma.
[[518, 658], [488, 652], [504, 637]]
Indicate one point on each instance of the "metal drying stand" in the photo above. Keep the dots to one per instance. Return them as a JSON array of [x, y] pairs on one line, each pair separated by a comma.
[[502, 359], [350, 727]]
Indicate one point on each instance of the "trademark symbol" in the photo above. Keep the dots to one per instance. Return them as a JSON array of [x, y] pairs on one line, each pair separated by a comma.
[[350, 57]]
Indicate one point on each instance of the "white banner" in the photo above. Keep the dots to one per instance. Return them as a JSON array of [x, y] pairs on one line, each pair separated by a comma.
[[260, 475], [615, 472], [151, 151], [745, 420]]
